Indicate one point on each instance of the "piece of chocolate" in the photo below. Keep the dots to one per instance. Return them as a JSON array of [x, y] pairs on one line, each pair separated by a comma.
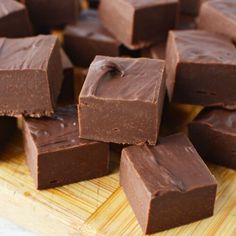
[[7, 128], [213, 134], [57, 156], [14, 20], [121, 100], [198, 63], [67, 94], [88, 38], [94, 3], [219, 16], [138, 23], [30, 76], [52, 13], [167, 185], [190, 7]]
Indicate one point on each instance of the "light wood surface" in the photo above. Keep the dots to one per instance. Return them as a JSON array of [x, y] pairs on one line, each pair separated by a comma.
[[96, 207]]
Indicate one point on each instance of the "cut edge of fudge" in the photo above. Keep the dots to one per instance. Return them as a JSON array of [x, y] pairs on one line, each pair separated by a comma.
[[49, 70]]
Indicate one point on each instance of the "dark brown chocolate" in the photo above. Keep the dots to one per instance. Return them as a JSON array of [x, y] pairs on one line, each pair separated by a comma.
[[30, 76], [67, 94], [190, 7], [52, 13], [198, 63], [7, 128], [94, 3], [186, 22], [167, 185], [219, 16], [137, 20], [57, 156], [213, 134], [89, 38], [14, 20], [121, 100]]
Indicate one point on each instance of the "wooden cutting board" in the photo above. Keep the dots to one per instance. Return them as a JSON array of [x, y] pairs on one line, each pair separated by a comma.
[[96, 207]]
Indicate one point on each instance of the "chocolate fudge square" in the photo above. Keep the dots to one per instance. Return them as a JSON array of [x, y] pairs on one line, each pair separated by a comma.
[[167, 185], [201, 68], [52, 13], [30, 76], [138, 24], [219, 16], [56, 155], [67, 94], [121, 100], [14, 20], [89, 38], [213, 134]]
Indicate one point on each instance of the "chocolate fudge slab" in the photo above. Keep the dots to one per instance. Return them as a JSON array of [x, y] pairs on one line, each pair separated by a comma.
[[167, 185], [213, 134], [198, 63], [89, 38], [121, 100], [30, 76], [219, 16], [138, 19], [157, 51], [67, 94], [7, 128], [56, 155], [14, 20], [52, 13]]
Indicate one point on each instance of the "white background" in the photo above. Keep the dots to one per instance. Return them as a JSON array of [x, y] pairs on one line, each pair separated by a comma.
[[9, 229]]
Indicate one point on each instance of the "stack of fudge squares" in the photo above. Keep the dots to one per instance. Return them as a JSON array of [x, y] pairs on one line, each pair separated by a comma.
[[136, 58]]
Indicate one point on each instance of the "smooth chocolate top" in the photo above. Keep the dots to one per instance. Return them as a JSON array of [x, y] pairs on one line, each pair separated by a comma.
[[218, 119], [226, 7], [149, 3], [66, 63], [172, 165], [203, 47], [9, 6], [90, 26], [117, 78], [58, 132], [26, 53]]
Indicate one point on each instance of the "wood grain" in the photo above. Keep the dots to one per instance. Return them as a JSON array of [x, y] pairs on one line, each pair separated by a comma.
[[96, 207]]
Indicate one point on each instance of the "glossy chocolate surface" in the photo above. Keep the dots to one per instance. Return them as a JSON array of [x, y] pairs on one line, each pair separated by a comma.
[[219, 16], [118, 93], [137, 19], [57, 156], [197, 64], [171, 174], [213, 133]]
